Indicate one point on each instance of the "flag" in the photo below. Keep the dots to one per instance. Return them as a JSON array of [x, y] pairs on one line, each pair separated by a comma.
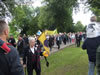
[[39, 32], [44, 42], [55, 31], [49, 32]]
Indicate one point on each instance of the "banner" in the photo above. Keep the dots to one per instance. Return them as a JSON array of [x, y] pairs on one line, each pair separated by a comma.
[[48, 32], [44, 42]]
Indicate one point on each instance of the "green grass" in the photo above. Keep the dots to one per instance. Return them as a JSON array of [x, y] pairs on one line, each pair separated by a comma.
[[69, 61]]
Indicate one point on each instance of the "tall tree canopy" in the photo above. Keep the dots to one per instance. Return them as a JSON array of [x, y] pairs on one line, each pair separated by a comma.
[[53, 14], [57, 14], [79, 27], [25, 19], [95, 7]]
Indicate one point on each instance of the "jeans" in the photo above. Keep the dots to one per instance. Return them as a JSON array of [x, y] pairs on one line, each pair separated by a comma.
[[98, 61], [92, 66]]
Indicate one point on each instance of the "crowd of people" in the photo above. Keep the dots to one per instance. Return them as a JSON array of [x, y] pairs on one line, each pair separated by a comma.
[[58, 39], [65, 38], [30, 49]]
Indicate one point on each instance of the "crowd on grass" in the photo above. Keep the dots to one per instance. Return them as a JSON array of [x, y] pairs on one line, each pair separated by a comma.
[[30, 48], [27, 50]]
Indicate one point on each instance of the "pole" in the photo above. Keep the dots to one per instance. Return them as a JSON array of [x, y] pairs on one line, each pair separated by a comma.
[[47, 63]]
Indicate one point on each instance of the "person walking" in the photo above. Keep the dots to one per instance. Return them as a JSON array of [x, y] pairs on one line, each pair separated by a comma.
[[58, 41], [78, 39], [31, 57], [20, 45]]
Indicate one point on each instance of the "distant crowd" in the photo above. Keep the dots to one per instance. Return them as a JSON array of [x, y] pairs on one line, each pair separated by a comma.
[[30, 49], [58, 39]]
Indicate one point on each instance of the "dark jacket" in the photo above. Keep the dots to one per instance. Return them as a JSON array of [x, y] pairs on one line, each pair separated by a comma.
[[20, 47], [50, 41], [26, 41], [91, 45], [78, 37], [10, 63], [12, 41], [58, 40], [32, 58]]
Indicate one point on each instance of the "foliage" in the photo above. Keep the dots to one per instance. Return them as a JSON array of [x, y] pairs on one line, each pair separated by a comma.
[[95, 7], [53, 14], [57, 14], [45, 18], [79, 27], [84, 29], [26, 19], [94, 3], [13, 28]]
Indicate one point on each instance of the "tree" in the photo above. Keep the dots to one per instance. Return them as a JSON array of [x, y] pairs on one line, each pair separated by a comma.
[[94, 3], [25, 19], [54, 14], [79, 27], [94, 6], [13, 28], [46, 18], [22, 14], [57, 14]]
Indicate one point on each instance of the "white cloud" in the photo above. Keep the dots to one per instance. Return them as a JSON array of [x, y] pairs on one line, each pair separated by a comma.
[[37, 3], [81, 16]]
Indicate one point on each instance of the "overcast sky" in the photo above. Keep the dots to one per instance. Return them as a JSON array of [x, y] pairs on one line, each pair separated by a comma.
[[79, 16], [37, 3]]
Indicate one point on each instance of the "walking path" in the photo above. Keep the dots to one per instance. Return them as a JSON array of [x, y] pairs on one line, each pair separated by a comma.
[[55, 48]]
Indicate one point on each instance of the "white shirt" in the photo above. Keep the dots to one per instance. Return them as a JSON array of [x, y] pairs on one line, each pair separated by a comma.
[[93, 30], [58, 38], [32, 49]]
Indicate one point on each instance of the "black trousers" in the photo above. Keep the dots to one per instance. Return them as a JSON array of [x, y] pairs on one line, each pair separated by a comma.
[[34, 67], [64, 41], [50, 46], [58, 44], [78, 43]]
